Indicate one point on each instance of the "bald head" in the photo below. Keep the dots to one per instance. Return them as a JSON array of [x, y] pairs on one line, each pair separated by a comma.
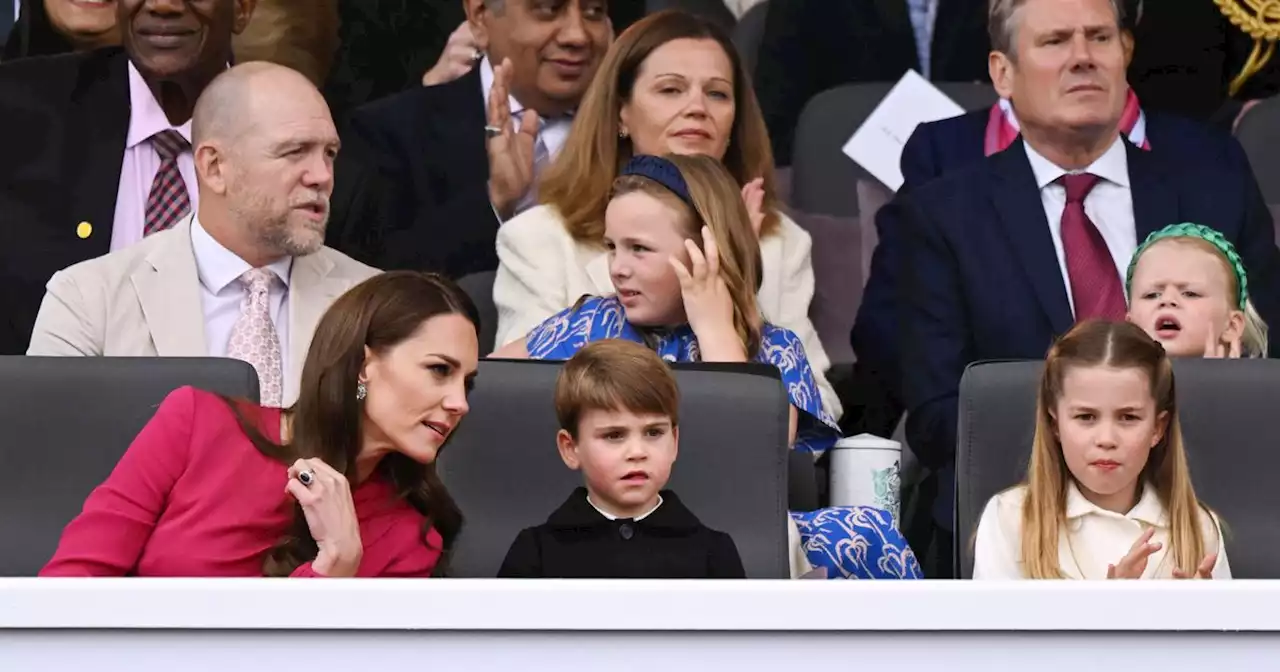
[[237, 99], [264, 151]]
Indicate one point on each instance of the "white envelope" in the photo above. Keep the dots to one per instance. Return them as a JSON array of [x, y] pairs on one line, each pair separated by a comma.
[[877, 144]]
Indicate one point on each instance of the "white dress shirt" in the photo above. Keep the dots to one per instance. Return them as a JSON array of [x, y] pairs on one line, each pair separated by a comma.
[[142, 162], [610, 516], [1109, 206], [1091, 539], [221, 292]]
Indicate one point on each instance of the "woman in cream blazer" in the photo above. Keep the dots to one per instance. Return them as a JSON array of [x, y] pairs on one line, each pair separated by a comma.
[[671, 83]]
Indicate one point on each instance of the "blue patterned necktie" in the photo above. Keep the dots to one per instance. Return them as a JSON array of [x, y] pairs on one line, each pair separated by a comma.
[[922, 20]]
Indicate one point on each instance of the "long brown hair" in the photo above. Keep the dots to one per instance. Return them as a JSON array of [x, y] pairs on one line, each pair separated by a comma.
[[577, 182], [717, 205], [327, 421], [1120, 345]]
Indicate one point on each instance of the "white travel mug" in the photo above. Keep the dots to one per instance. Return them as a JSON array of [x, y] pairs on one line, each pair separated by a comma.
[[865, 471]]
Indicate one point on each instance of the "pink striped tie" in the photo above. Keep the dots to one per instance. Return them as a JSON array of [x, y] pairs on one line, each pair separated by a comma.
[[168, 201], [1095, 283]]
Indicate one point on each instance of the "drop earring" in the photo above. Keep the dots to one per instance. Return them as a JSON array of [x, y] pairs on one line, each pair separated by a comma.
[[623, 134], [362, 391]]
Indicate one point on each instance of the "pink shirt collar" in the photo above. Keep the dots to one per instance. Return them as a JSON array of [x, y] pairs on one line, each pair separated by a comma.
[[146, 117]]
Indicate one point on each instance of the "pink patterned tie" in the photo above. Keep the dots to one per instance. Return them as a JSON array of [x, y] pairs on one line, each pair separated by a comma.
[[168, 201], [1095, 283], [254, 338]]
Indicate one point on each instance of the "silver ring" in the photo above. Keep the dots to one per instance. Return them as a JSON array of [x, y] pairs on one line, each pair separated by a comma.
[[476, 55], [307, 477], [492, 131]]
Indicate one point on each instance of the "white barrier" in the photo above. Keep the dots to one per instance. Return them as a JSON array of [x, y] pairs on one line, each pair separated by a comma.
[[250, 624]]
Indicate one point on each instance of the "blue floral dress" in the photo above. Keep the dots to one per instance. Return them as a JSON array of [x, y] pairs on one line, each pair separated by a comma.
[[850, 542]]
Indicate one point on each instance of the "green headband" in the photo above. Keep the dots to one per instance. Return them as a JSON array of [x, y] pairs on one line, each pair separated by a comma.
[[1208, 235]]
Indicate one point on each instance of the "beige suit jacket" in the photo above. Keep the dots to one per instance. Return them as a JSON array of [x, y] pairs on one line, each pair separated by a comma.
[[144, 301], [542, 270]]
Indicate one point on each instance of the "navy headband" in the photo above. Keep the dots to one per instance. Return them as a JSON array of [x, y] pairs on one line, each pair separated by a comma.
[[661, 171]]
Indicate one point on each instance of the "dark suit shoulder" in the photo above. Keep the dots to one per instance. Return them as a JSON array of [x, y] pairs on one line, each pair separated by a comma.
[[58, 77], [461, 95]]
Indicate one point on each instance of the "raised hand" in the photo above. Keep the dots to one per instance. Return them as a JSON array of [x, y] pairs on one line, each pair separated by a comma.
[[325, 497], [1216, 348], [707, 304], [510, 150], [753, 198], [1204, 571], [1134, 563], [461, 53]]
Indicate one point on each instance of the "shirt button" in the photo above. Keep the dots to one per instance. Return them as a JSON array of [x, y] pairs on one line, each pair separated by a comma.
[[626, 531]]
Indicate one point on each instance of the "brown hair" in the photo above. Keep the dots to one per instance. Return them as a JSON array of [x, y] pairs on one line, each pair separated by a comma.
[[1119, 345], [718, 206], [379, 313], [577, 182], [613, 375]]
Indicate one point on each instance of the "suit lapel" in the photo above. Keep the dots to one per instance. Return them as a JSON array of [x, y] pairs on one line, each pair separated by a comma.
[[1155, 202], [311, 291], [955, 21], [102, 111], [1016, 198], [168, 290], [895, 21], [459, 120]]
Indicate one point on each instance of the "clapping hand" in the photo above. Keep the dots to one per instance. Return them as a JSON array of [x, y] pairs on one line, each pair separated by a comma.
[[707, 304], [1134, 563], [510, 150], [461, 53], [1204, 571], [325, 497], [753, 198], [1216, 348]]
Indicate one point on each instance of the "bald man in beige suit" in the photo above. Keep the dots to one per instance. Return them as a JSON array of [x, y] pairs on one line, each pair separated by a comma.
[[264, 145]]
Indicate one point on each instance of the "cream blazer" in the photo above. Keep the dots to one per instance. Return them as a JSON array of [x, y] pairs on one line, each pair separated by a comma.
[[144, 301], [543, 270]]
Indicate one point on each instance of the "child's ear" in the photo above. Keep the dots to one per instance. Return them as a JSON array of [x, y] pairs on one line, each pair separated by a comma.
[[568, 449], [1162, 426], [1235, 326]]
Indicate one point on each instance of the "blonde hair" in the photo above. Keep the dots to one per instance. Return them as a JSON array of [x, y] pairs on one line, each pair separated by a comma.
[[577, 183], [718, 206], [1253, 342], [1119, 345]]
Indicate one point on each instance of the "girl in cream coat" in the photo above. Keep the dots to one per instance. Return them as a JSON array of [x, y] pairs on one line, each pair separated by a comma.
[[671, 83]]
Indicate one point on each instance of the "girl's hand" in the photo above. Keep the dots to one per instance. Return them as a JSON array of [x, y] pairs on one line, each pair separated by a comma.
[[707, 304], [1134, 563], [753, 198], [1216, 348], [1204, 571]]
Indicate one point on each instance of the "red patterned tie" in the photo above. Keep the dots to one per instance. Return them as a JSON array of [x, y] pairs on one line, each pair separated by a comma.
[[1095, 283], [168, 201]]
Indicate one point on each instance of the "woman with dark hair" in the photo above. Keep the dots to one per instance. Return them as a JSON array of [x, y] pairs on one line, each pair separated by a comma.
[[206, 488], [49, 27]]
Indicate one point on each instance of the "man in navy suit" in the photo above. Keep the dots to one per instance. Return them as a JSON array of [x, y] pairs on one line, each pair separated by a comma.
[[1000, 257]]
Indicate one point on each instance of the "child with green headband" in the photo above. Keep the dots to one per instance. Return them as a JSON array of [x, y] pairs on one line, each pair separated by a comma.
[[1188, 290]]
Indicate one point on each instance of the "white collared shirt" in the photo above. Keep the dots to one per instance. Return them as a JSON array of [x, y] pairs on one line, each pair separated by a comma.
[[610, 516], [1091, 539], [221, 293], [141, 162], [1109, 206]]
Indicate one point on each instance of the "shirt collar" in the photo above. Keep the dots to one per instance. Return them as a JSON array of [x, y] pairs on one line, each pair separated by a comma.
[[610, 516], [218, 267], [146, 117], [1148, 510], [1112, 166]]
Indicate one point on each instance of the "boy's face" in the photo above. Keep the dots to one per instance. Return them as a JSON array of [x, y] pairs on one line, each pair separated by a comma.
[[625, 458]]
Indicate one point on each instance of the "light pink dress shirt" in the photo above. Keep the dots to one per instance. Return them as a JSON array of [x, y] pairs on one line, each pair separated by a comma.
[[141, 163]]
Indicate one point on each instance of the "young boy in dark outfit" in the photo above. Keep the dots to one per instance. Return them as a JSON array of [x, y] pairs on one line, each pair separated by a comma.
[[618, 409]]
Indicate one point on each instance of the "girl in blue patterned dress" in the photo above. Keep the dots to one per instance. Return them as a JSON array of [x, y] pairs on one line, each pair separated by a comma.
[[695, 302]]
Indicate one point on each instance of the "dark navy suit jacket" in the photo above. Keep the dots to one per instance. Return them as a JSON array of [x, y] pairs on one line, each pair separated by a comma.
[[979, 278]]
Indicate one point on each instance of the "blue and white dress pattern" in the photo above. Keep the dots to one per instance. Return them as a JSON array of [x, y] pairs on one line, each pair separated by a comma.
[[849, 542]]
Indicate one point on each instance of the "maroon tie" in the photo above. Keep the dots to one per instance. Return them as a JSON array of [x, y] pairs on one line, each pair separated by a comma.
[[1095, 283], [168, 201]]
